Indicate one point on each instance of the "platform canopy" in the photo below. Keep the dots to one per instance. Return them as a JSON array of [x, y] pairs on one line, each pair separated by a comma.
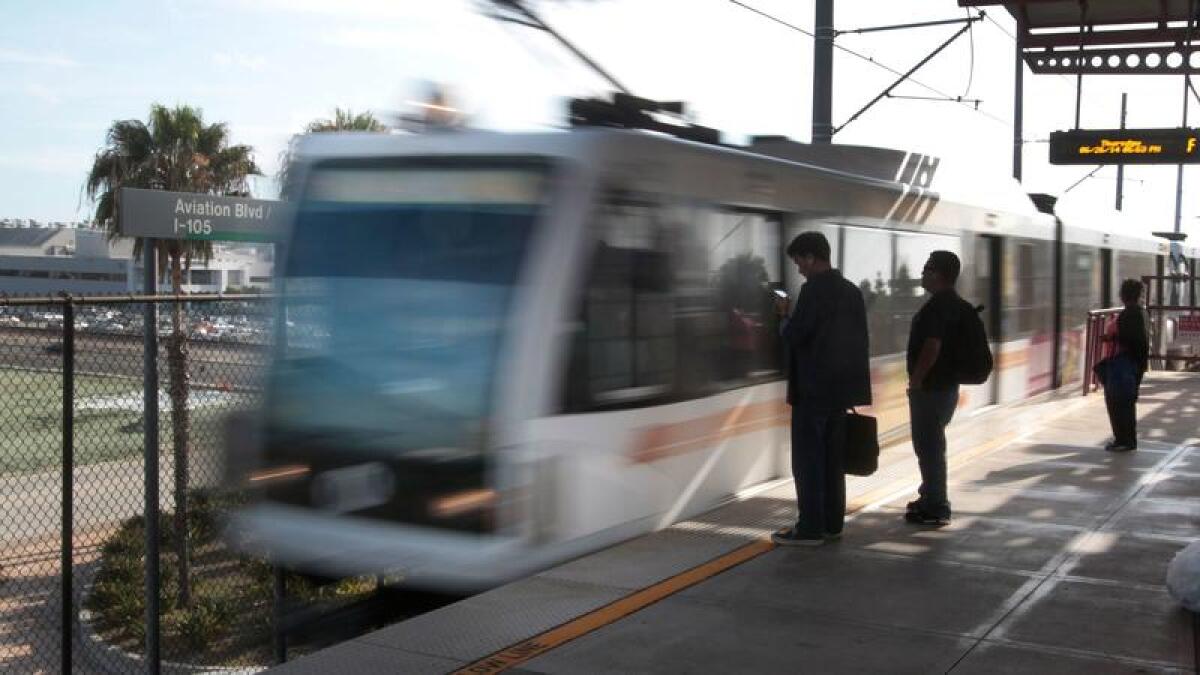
[[1105, 37]]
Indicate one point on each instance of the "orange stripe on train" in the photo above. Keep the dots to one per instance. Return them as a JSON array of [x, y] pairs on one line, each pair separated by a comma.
[[666, 440]]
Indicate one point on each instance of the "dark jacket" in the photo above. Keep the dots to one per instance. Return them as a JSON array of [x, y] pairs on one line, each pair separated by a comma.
[[828, 360], [1132, 338]]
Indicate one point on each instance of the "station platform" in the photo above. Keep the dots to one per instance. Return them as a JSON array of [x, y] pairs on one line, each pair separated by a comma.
[[1055, 562]]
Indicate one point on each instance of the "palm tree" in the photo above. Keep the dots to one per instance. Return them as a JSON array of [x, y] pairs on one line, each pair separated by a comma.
[[175, 151], [342, 120], [345, 120]]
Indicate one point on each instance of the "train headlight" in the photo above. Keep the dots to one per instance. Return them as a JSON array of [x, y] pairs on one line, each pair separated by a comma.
[[458, 503], [275, 474]]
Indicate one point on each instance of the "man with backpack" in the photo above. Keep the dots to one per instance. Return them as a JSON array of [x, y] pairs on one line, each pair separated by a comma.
[[947, 347]]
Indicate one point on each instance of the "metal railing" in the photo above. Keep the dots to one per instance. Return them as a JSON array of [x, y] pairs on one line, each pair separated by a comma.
[[1095, 348], [81, 467], [1164, 310], [1170, 297]]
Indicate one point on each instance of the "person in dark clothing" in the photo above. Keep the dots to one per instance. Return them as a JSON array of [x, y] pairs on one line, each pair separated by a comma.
[[1133, 344], [828, 371], [932, 387]]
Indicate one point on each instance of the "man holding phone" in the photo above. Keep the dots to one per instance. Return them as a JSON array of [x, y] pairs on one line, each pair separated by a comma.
[[828, 370]]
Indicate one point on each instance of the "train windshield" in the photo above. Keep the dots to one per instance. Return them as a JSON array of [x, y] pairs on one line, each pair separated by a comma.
[[398, 287]]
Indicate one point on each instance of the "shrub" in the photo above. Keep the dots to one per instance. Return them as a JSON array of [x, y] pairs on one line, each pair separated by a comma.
[[229, 619]]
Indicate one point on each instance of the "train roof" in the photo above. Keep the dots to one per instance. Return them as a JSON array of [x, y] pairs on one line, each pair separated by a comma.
[[1107, 227], [896, 169], [954, 181]]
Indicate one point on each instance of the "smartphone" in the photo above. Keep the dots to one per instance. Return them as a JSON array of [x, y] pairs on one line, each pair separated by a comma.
[[780, 293]]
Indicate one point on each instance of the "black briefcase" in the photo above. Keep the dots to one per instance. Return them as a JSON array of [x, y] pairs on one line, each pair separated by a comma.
[[861, 444]]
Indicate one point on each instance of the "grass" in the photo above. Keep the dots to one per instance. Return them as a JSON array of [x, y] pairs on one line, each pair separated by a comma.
[[31, 421], [229, 620]]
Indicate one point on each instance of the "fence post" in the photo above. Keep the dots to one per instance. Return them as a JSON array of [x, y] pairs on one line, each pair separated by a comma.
[[278, 598], [279, 585], [1087, 355], [68, 484], [150, 438]]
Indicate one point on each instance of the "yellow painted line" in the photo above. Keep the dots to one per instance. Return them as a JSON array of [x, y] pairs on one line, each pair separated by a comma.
[[540, 644]]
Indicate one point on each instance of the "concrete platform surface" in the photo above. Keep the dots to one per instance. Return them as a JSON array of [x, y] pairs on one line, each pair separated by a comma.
[[1055, 562]]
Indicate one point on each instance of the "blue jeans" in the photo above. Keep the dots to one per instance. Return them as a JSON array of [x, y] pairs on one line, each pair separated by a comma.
[[930, 411], [819, 469]]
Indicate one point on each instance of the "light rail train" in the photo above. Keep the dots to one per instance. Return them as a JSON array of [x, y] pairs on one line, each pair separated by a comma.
[[500, 351]]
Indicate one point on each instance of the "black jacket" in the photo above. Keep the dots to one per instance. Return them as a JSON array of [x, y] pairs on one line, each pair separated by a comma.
[[1132, 338], [828, 360]]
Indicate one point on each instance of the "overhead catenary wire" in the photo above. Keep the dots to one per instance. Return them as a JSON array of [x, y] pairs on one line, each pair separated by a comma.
[[1080, 181], [539, 55], [952, 99], [1000, 26], [871, 60], [971, 37]]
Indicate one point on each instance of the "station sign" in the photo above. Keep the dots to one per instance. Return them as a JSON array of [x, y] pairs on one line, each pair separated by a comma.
[[1125, 146], [160, 214]]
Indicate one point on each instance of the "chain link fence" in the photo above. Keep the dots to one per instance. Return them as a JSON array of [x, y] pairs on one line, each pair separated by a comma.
[[74, 483]]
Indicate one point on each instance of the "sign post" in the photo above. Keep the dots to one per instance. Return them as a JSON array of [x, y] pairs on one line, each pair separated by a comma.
[[158, 214]]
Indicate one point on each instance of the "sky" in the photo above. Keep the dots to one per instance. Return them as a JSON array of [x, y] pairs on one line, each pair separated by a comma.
[[69, 68]]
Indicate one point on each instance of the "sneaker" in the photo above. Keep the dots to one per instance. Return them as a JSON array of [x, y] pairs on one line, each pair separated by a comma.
[[914, 505], [790, 537], [1119, 447], [919, 517], [833, 536]]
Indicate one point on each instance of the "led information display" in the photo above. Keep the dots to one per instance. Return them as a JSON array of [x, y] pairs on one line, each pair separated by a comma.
[[1125, 146]]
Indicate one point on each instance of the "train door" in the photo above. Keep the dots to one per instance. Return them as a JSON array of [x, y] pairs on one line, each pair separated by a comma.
[[989, 284], [1106, 278], [1056, 364], [1192, 281]]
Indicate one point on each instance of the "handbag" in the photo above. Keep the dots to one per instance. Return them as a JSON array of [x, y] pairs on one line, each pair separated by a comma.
[[861, 444]]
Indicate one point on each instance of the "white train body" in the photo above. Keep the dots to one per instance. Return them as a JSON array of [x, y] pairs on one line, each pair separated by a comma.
[[505, 350]]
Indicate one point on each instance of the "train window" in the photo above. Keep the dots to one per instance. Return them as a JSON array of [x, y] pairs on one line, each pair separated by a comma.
[[1025, 287], [1081, 285], [742, 251], [1029, 288], [1080, 293], [624, 352], [905, 293], [886, 267], [867, 262], [677, 305], [1134, 266]]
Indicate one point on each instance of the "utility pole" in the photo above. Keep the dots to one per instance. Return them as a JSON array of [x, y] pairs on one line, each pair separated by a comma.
[[1018, 103], [1176, 249], [822, 117], [1121, 167]]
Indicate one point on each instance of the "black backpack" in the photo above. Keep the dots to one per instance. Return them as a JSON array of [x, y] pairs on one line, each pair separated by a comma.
[[972, 355]]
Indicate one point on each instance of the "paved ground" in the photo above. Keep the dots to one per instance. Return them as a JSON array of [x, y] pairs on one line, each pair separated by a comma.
[[30, 550], [31, 606], [105, 493], [1055, 562]]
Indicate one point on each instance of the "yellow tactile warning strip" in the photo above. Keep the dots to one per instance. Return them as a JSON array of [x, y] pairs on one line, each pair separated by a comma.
[[540, 644]]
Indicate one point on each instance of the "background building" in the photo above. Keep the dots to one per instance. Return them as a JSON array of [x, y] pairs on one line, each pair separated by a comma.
[[36, 259]]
